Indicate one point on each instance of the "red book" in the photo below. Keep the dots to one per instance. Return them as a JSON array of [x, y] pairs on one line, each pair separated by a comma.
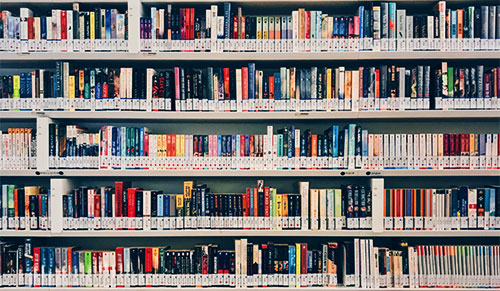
[[183, 23], [70, 263], [307, 23], [31, 28], [172, 145], [244, 203], [452, 148], [255, 203], [97, 205], [119, 187], [146, 147], [63, 25], [242, 30], [204, 263], [446, 146], [303, 259], [95, 263], [36, 265], [242, 145], [266, 201], [119, 262], [235, 27], [457, 149], [252, 146], [271, 87], [377, 83], [100, 262], [226, 84], [148, 267], [131, 203], [244, 83], [191, 24]]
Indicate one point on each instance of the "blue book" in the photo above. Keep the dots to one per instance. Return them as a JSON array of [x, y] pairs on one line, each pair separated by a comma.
[[44, 262], [251, 81], [277, 86], [482, 144], [233, 146], [108, 23], [492, 202], [361, 14], [28, 85], [487, 195], [392, 20], [341, 32], [43, 27], [76, 264], [464, 194], [227, 20], [291, 260], [247, 145], [141, 142], [52, 263], [251, 206], [22, 85], [453, 23], [335, 141], [202, 202], [364, 143], [238, 145], [335, 27], [219, 145], [166, 206], [43, 209], [159, 203], [291, 142]]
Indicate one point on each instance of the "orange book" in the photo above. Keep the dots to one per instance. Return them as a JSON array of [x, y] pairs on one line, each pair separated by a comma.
[[460, 23], [284, 203], [348, 84], [255, 202], [302, 26]]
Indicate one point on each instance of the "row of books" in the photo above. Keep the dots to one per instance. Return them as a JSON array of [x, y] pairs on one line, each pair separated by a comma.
[[350, 147], [60, 24], [310, 28], [442, 209], [18, 149], [355, 263], [125, 207], [24, 207], [387, 87]]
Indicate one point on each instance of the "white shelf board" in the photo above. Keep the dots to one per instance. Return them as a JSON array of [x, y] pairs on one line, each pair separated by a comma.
[[251, 173], [238, 289], [247, 56], [251, 233], [142, 115]]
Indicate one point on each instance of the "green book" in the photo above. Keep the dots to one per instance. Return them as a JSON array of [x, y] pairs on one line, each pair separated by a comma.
[[88, 263], [10, 201], [450, 82], [338, 202]]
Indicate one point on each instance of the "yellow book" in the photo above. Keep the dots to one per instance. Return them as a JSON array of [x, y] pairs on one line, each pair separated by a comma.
[[329, 84], [179, 204], [16, 84], [297, 262], [182, 140], [92, 25], [177, 145], [279, 209], [156, 260], [81, 82], [284, 205], [188, 188], [71, 87]]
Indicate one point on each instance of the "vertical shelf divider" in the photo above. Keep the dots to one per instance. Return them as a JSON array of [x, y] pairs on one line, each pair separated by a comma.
[[58, 187]]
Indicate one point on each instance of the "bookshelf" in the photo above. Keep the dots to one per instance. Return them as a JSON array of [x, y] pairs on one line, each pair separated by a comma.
[[62, 181]]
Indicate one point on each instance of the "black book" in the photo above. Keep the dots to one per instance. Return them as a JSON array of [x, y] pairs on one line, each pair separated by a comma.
[[356, 199], [383, 81], [477, 23], [138, 203], [34, 209], [182, 84]]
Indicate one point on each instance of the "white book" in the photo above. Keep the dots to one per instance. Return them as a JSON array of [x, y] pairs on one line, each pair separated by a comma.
[[129, 83], [239, 89], [355, 90], [295, 24], [149, 84], [401, 25], [153, 22], [161, 24], [65, 79], [304, 196], [376, 22], [123, 85], [442, 19], [341, 83], [69, 25], [314, 209], [33, 84], [409, 26], [430, 27], [213, 25], [357, 262], [120, 26], [322, 209]]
